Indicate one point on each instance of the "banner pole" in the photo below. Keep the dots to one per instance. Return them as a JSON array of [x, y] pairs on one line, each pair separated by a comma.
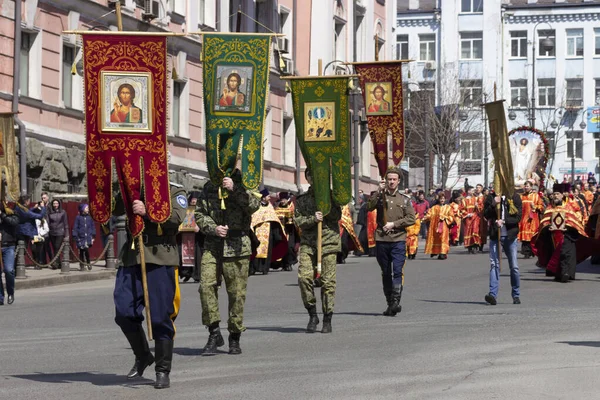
[[145, 286], [119, 16]]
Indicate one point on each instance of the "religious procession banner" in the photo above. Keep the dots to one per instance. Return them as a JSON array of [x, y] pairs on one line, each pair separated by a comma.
[[236, 85], [125, 77], [321, 118], [9, 168], [381, 84], [504, 182]]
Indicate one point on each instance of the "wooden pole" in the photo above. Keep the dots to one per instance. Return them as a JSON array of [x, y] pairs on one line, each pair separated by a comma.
[[145, 286], [319, 253], [376, 47], [119, 16]]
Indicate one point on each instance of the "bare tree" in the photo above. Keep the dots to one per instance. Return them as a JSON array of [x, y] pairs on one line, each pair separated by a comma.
[[438, 127]]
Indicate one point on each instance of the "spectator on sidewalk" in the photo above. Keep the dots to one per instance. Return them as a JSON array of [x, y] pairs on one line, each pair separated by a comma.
[[27, 228], [46, 247], [8, 233], [84, 233], [59, 229], [40, 240]]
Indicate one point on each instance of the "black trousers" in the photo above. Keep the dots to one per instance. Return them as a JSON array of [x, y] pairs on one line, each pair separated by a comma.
[[568, 255]]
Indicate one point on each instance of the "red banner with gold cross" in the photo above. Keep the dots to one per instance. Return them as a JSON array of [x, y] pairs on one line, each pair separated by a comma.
[[381, 84], [125, 78]]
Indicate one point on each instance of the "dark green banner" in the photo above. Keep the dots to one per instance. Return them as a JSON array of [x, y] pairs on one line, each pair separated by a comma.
[[236, 84], [322, 129]]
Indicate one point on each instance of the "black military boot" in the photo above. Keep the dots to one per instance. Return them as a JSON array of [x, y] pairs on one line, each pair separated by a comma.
[[396, 296], [234, 343], [326, 323], [313, 320], [164, 358], [388, 311], [215, 340], [143, 356]]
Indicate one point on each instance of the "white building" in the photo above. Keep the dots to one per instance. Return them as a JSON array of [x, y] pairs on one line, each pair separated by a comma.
[[470, 46]]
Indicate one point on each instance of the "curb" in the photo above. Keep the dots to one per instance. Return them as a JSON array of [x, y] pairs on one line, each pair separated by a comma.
[[32, 283]]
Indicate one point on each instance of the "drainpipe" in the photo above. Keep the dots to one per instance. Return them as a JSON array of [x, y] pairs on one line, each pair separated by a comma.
[[15, 100], [295, 49]]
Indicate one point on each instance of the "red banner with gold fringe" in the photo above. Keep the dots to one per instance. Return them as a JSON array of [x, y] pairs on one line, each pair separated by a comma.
[[381, 84], [125, 80]]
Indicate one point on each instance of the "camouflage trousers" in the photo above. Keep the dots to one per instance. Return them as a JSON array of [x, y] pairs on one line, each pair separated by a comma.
[[306, 276], [235, 275]]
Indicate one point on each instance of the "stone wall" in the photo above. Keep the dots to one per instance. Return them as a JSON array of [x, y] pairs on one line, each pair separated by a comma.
[[51, 169]]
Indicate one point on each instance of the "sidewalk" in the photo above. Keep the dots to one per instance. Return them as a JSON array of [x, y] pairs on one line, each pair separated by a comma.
[[49, 277]]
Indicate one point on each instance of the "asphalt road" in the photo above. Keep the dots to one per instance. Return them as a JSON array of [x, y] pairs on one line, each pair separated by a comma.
[[61, 342]]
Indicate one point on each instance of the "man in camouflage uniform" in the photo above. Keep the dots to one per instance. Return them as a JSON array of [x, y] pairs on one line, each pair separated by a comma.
[[307, 217], [162, 259], [227, 251]]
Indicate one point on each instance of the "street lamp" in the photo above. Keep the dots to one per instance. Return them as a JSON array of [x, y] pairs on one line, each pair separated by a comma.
[[512, 115], [546, 45]]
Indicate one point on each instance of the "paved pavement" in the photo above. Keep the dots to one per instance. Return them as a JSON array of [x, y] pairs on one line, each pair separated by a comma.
[[49, 277], [61, 342]]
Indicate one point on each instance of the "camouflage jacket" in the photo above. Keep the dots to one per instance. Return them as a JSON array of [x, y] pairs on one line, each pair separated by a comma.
[[158, 249], [240, 204], [305, 219]]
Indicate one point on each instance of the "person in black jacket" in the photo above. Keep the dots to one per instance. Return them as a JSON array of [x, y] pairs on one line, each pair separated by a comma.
[[507, 221], [59, 228], [8, 232]]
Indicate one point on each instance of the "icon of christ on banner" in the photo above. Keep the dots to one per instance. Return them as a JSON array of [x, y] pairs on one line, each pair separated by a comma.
[[234, 88], [380, 98]]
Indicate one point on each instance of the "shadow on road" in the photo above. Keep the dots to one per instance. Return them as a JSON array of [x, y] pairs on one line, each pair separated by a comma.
[[587, 344], [97, 379], [279, 329], [187, 351], [453, 302], [360, 313]]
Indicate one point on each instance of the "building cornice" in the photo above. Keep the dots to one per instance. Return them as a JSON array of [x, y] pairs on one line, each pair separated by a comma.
[[414, 21], [570, 17]]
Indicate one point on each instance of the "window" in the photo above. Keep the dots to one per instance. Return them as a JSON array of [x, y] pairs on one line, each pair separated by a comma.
[[402, 47], [365, 153], [471, 46], [577, 137], [339, 41], [176, 123], [471, 6], [518, 93], [201, 12], [518, 44], [268, 136], [574, 42], [597, 41], [574, 92], [597, 92], [470, 93], [597, 145], [67, 78], [289, 142], [285, 27], [471, 146], [546, 93], [427, 47], [26, 42], [542, 36]]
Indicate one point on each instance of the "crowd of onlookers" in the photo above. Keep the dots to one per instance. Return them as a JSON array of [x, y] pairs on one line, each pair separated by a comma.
[[43, 227]]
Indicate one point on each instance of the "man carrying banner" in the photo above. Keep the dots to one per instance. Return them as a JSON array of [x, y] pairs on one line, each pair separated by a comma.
[[162, 257], [307, 218], [507, 222], [394, 214], [224, 216]]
